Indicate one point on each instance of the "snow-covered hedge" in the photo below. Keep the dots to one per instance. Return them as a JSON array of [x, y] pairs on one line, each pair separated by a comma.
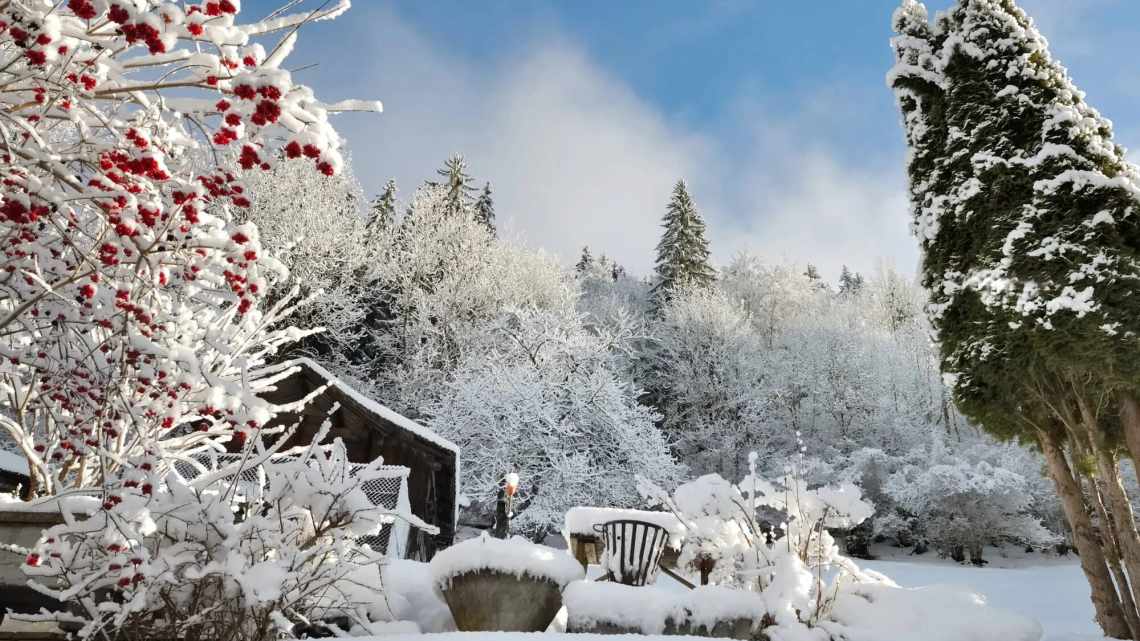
[[515, 556]]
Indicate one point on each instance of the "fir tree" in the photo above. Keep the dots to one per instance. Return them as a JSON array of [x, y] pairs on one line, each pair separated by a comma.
[[485, 209], [384, 208], [812, 272], [849, 282], [683, 252], [459, 185], [585, 261]]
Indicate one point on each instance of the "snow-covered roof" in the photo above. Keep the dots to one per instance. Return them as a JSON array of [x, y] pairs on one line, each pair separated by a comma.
[[372, 406], [13, 462]]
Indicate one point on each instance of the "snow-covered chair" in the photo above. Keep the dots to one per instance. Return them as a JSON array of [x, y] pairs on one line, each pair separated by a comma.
[[632, 550]]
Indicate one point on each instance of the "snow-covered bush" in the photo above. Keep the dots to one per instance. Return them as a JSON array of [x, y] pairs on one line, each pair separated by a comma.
[[541, 398], [135, 330], [964, 507], [724, 526], [441, 277], [132, 297], [240, 551]]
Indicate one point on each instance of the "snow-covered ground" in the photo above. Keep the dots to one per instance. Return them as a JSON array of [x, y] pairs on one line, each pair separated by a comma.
[[1052, 591]]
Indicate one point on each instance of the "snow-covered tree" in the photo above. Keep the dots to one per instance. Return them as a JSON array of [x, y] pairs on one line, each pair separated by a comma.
[[707, 373], [136, 332], [585, 261], [485, 209], [314, 225], [966, 507], [131, 301], [542, 398], [458, 186], [1024, 208], [383, 214], [441, 276], [683, 251]]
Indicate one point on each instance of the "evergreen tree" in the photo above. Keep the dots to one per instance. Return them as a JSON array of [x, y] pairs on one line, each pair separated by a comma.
[[683, 252], [384, 208], [485, 209], [849, 282], [585, 261], [457, 183], [812, 272], [1027, 216]]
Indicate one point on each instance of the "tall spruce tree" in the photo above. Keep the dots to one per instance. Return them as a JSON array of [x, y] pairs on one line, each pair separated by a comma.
[[485, 209], [683, 252], [585, 261], [849, 282], [459, 185], [383, 213], [1027, 215]]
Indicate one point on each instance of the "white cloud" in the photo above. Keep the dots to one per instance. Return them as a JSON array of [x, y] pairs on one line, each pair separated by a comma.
[[577, 158]]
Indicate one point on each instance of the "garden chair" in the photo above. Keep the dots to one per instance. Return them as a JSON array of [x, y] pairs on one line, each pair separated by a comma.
[[632, 550]]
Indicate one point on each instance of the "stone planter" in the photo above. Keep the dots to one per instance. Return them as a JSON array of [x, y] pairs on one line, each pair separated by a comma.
[[488, 600], [22, 528], [740, 628]]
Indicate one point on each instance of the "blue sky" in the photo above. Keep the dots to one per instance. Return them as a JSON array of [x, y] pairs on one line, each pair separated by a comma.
[[583, 113]]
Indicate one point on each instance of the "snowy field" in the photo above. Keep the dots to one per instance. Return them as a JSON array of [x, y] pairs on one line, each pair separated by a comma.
[[1055, 594]]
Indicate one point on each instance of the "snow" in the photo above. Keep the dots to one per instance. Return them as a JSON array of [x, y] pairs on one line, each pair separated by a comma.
[[869, 612], [13, 462], [589, 603], [1054, 594], [411, 581], [74, 503], [581, 520], [648, 608], [515, 556]]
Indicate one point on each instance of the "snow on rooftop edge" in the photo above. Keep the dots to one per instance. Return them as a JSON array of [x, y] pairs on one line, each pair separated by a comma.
[[516, 556], [12, 462], [371, 405]]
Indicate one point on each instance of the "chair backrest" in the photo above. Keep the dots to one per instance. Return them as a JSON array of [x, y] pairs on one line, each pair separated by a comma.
[[632, 550]]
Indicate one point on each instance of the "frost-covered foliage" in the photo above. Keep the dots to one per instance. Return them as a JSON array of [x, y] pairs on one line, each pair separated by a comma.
[[708, 372], [967, 507], [541, 396], [243, 551], [729, 541], [315, 226], [131, 304], [441, 278], [767, 358]]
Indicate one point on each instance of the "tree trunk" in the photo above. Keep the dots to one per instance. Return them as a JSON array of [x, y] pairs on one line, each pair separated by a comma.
[[1112, 556], [1105, 600], [1130, 422]]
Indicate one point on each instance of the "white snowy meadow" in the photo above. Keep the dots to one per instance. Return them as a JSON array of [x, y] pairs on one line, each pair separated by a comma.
[[740, 449]]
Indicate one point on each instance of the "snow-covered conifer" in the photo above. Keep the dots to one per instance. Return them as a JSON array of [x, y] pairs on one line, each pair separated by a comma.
[[683, 251]]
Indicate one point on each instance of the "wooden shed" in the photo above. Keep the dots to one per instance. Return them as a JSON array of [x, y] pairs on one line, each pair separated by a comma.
[[370, 430]]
